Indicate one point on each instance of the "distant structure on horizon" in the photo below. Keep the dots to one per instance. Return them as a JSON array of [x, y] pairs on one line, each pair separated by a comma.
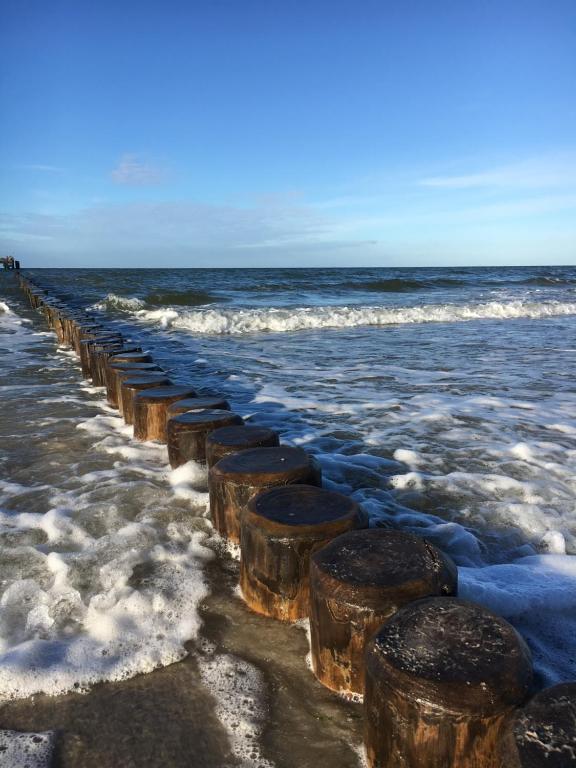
[[8, 262]]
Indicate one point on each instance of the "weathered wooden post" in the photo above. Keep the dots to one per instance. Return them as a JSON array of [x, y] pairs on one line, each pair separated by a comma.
[[236, 478], [226, 440], [442, 677], [356, 583], [86, 331], [71, 323], [132, 385], [85, 346], [117, 372], [186, 433], [543, 733], [279, 530], [99, 354], [150, 411]]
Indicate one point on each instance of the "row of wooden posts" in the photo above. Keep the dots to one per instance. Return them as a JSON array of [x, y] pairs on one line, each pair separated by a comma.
[[445, 682]]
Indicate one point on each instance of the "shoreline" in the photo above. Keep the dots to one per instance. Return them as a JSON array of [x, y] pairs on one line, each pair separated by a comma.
[[163, 717]]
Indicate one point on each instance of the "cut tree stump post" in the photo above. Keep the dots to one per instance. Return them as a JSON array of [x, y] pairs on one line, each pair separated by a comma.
[[442, 677], [543, 733], [132, 385], [99, 356], [150, 409], [115, 375], [236, 478], [88, 343], [279, 530], [226, 440], [186, 433], [356, 583]]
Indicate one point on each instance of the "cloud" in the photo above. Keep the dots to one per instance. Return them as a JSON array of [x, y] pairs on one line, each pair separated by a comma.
[[182, 226], [41, 168], [133, 171], [534, 173]]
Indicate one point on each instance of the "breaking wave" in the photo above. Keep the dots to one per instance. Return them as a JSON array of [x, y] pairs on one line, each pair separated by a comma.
[[122, 303], [278, 320]]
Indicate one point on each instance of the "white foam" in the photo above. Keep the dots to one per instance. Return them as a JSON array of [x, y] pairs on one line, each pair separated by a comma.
[[123, 303], [241, 321], [538, 594], [238, 688], [114, 589], [186, 481], [26, 750]]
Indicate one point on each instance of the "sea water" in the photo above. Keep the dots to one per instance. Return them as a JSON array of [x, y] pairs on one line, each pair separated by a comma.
[[442, 400]]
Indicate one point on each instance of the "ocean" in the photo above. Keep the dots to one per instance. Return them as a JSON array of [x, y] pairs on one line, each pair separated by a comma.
[[442, 400]]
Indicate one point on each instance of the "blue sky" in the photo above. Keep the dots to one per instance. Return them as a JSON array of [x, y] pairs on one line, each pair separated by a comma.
[[263, 133]]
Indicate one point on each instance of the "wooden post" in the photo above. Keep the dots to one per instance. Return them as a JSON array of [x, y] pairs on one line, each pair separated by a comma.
[[186, 433], [85, 331], [543, 733], [131, 385], [71, 323], [99, 355], [442, 676], [150, 411], [85, 346], [279, 530], [356, 583], [114, 377], [236, 478], [226, 440], [210, 402]]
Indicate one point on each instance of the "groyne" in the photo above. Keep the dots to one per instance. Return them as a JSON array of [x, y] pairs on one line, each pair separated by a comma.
[[445, 680]]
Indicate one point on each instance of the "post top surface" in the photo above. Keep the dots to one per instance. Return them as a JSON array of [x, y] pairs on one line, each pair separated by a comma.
[[126, 357], [99, 339], [133, 366], [164, 394], [386, 558], [306, 505], [203, 416], [455, 651], [263, 463], [195, 403], [242, 434], [140, 379]]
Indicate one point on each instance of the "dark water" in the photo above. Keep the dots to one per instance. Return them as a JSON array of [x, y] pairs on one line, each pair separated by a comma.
[[442, 399]]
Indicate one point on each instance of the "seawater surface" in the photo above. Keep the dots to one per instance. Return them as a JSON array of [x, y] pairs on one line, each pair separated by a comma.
[[443, 400]]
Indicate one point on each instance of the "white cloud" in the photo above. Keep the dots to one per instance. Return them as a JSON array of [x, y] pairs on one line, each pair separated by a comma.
[[182, 225], [41, 168], [534, 173], [133, 171]]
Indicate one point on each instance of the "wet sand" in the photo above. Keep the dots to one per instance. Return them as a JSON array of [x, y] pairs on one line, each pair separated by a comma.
[[168, 718]]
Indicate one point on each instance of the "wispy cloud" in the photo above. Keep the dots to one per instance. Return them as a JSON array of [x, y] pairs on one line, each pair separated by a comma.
[[179, 225], [534, 173], [135, 172], [41, 168]]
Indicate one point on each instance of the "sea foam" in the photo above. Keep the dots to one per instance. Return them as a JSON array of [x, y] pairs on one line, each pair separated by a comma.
[[278, 320]]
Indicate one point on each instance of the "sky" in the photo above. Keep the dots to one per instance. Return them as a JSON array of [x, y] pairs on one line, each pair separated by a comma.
[[246, 133]]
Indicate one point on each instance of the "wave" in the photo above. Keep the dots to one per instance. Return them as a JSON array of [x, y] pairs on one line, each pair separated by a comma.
[[399, 285], [280, 320], [122, 303], [5, 309], [549, 281], [180, 298]]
